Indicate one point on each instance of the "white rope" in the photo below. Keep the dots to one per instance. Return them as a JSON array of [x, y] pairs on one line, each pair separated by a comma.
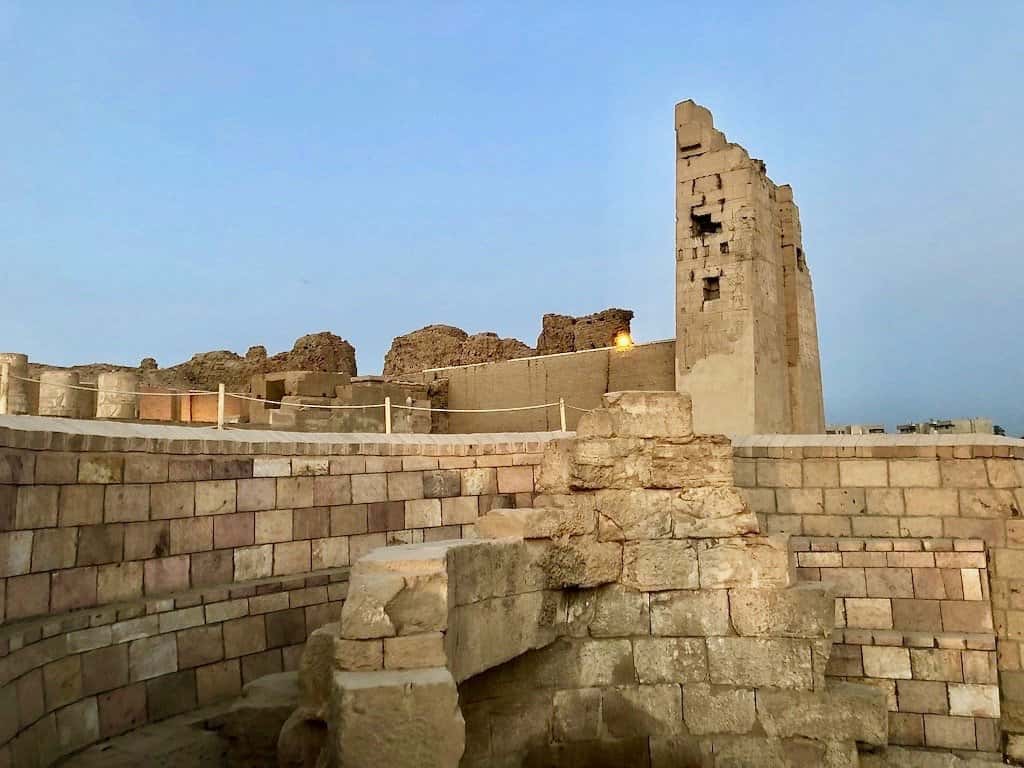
[[473, 410], [581, 410], [239, 396], [184, 393]]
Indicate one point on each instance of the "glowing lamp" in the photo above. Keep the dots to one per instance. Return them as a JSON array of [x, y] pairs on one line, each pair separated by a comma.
[[623, 340]]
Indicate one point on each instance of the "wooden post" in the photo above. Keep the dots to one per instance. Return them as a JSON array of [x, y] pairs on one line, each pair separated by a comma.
[[220, 406], [387, 415], [561, 412], [5, 385]]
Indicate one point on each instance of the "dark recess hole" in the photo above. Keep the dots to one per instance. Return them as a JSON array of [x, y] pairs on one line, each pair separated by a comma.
[[701, 224], [712, 288], [723, 247]]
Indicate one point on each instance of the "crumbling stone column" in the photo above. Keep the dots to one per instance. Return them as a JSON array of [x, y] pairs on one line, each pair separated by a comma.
[[17, 391], [117, 397], [56, 398]]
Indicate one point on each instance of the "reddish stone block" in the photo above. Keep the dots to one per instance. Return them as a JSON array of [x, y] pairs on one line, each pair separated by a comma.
[[166, 574], [73, 588], [286, 627], [258, 665], [104, 669], [256, 494], [99, 544], [291, 557], [199, 645], [234, 530], [349, 519], [145, 540], [189, 469], [332, 491], [230, 469], [171, 695], [312, 522], [126, 503], [217, 682], [295, 492], [966, 616], [212, 568], [122, 710], [385, 516], [916, 615], [515, 479]]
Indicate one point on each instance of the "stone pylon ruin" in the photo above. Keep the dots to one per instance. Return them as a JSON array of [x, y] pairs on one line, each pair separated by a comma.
[[746, 332], [635, 616]]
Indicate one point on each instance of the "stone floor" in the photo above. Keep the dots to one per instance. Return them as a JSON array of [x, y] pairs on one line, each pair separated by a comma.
[[180, 742]]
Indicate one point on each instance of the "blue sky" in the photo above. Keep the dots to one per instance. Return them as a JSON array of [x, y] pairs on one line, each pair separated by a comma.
[[178, 177]]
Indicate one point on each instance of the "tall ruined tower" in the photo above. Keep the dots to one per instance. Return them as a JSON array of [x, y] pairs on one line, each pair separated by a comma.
[[746, 332]]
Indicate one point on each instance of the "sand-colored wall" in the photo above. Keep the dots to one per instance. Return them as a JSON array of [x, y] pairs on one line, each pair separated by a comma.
[[579, 377]]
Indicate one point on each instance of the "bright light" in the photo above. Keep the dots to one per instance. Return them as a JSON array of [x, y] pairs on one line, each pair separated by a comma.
[[623, 340]]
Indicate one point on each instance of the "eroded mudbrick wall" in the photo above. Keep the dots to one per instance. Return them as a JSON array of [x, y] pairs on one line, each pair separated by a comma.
[[746, 333]]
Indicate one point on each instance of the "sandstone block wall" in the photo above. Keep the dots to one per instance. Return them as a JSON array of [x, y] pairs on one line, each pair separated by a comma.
[[949, 508], [150, 570]]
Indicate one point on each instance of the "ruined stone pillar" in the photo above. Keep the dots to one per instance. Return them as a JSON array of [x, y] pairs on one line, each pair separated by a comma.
[[17, 391], [117, 397], [56, 397]]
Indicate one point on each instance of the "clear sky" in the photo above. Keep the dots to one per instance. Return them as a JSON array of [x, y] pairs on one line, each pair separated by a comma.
[[184, 176]]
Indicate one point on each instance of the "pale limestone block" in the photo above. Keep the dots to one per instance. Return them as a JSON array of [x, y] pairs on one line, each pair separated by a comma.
[[974, 700], [863, 473], [779, 473], [482, 569], [326, 653], [15, 553], [710, 709], [712, 512], [635, 514], [659, 565], [748, 561], [254, 562], [364, 614], [694, 613], [555, 469], [868, 613], [423, 513], [914, 473], [884, 501], [117, 395], [821, 473], [932, 502], [799, 501], [639, 414], [670, 659], [415, 651], [706, 461], [1002, 473], [760, 662], [617, 462], [539, 523], [846, 501], [273, 525], [582, 561], [843, 712], [806, 610], [887, 662], [152, 656], [963, 473], [399, 719], [460, 510], [267, 466]]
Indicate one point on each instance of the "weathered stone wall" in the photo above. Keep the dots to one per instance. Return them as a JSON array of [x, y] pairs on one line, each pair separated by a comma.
[[565, 333], [902, 489], [437, 346], [146, 570], [746, 334]]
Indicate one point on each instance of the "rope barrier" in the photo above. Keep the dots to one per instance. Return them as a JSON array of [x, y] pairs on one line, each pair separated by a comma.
[[239, 396], [474, 410], [185, 393]]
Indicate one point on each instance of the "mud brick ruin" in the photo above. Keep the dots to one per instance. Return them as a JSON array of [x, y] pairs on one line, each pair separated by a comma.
[[693, 575]]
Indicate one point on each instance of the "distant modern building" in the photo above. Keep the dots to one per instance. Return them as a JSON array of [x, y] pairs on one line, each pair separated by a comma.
[[977, 426], [855, 429]]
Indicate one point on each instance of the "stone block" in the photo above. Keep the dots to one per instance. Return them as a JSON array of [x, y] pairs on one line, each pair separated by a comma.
[[582, 562], [386, 516], [479, 482], [949, 732], [974, 700], [799, 501], [364, 614], [515, 479], [218, 682], [309, 467], [191, 535], [101, 469], [15, 553], [653, 566], [166, 574], [126, 503], [868, 613], [842, 712], [931, 502], [257, 665], [78, 725], [217, 497], [963, 473], [145, 540], [806, 610], [256, 494], [73, 588], [442, 483], [28, 595], [706, 461], [396, 718], [58, 469], [97, 544], [748, 561], [640, 711], [863, 473], [171, 695], [756, 662], [577, 715], [172, 500], [286, 627], [234, 530], [349, 519], [966, 616], [81, 505], [914, 473], [118, 582], [273, 525], [104, 669], [403, 486], [121, 710], [62, 682], [887, 662], [922, 696], [537, 523], [254, 562], [292, 557], [712, 709], [889, 582], [150, 657], [271, 466], [415, 651], [423, 513], [332, 491], [690, 613], [670, 659], [640, 414], [331, 552], [843, 502], [461, 510], [36, 506], [775, 473], [199, 646], [244, 636]]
